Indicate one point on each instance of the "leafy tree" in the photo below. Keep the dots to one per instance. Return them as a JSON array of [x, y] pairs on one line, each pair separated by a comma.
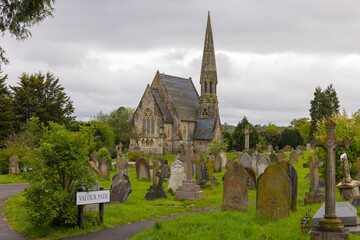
[[17, 16], [7, 116], [218, 146], [120, 121], [324, 104], [104, 135], [42, 96], [103, 152], [297, 122], [58, 170], [239, 137], [290, 137], [227, 138], [271, 135]]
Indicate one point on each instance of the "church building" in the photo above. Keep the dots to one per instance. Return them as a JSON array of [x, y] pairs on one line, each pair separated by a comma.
[[171, 115]]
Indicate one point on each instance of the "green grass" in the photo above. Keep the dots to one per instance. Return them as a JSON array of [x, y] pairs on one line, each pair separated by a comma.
[[215, 224], [7, 179]]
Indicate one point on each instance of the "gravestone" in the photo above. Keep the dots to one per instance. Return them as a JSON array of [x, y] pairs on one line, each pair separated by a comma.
[[292, 174], [262, 164], [273, 194], [287, 148], [246, 160], [156, 190], [294, 157], [254, 159], [299, 151], [316, 193], [251, 178], [348, 187], [281, 156], [95, 158], [189, 190], [120, 189], [209, 164], [142, 169], [273, 158], [308, 147], [104, 168], [330, 225], [218, 164], [223, 158], [14, 165], [122, 166], [270, 149], [235, 193], [177, 176], [177, 157]]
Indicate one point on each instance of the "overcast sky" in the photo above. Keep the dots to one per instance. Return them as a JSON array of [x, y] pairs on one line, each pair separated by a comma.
[[271, 55]]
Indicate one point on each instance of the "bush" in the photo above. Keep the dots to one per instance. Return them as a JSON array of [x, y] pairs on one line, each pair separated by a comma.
[[218, 146], [103, 152], [134, 155], [290, 137], [59, 168]]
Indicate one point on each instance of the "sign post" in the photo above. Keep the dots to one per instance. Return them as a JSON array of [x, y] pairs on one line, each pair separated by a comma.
[[93, 197]]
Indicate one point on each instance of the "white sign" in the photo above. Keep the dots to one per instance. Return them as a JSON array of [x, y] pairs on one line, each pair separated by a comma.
[[84, 198]]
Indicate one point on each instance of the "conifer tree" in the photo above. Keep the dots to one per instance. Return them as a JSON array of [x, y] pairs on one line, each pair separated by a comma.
[[239, 137], [7, 117]]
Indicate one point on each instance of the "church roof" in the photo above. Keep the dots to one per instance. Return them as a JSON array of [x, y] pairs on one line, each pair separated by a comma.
[[183, 95], [159, 101], [204, 128]]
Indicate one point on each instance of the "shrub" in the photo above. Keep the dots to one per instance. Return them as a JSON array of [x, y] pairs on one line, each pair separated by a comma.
[[103, 152], [134, 155]]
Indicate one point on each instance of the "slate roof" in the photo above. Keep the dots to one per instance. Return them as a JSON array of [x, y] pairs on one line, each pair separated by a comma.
[[183, 95], [204, 128], [159, 101]]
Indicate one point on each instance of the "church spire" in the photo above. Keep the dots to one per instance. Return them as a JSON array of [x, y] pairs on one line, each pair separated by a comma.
[[208, 76]]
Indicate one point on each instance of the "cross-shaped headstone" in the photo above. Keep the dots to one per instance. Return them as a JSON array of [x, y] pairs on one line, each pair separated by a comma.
[[189, 157], [313, 166], [209, 165], [247, 132], [330, 143], [119, 149]]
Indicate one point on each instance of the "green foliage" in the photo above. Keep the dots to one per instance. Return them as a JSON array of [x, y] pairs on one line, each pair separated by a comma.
[[42, 96], [271, 135], [7, 116], [134, 155], [227, 138], [290, 137], [16, 17], [103, 152], [239, 137], [345, 127], [324, 104], [58, 170], [297, 122], [120, 121], [103, 135], [218, 146]]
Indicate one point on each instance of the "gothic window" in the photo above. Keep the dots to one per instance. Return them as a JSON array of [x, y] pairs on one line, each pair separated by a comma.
[[205, 112], [148, 123], [210, 86], [205, 87]]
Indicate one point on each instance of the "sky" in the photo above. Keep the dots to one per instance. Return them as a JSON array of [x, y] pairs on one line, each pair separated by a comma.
[[270, 55]]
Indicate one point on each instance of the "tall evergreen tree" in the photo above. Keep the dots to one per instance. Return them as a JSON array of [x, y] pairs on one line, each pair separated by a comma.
[[324, 104], [7, 117], [40, 95], [239, 137]]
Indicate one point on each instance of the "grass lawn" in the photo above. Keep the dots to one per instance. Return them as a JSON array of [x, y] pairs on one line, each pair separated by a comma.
[[7, 179], [215, 224]]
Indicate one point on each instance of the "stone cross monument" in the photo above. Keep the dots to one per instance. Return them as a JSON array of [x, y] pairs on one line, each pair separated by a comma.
[[247, 132], [330, 224]]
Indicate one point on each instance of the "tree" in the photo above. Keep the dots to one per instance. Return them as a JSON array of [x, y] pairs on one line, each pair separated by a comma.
[[62, 170], [17, 16], [324, 104], [290, 137], [227, 138], [42, 96], [239, 137], [218, 146], [297, 122], [7, 116], [271, 134]]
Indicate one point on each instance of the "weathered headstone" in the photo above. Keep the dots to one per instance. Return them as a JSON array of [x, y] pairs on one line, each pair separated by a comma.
[[177, 176], [330, 225], [251, 178], [104, 168], [281, 156], [299, 151], [120, 189], [308, 147], [14, 165], [235, 193], [292, 174], [270, 149], [209, 164], [254, 159], [287, 148], [348, 187], [316, 193], [223, 158], [273, 158], [262, 164], [142, 169], [246, 161], [218, 164], [273, 194], [95, 158], [122, 166], [294, 157], [189, 190]]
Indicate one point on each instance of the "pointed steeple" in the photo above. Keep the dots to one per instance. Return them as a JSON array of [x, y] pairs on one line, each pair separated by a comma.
[[208, 76]]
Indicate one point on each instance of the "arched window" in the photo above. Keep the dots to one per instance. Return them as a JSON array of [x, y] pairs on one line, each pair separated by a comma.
[[205, 87], [205, 112], [148, 123], [210, 86]]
